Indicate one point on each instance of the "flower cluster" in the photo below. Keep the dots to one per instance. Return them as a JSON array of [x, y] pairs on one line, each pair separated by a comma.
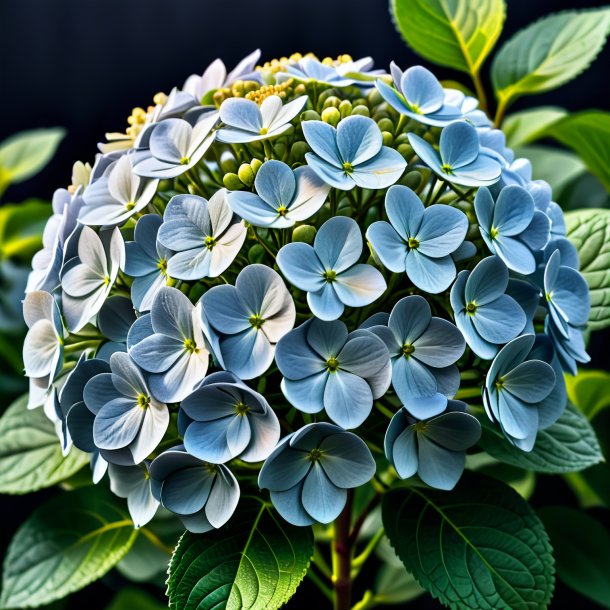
[[286, 278]]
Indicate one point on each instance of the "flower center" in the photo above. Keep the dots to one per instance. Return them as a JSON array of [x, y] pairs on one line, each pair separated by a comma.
[[209, 242], [241, 408], [282, 210], [130, 205], [500, 384], [407, 349], [256, 320], [184, 161], [446, 168], [548, 296], [264, 131], [143, 401], [190, 346], [348, 168], [420, 426], [106, 280], [315, 455], [332, 364], [330, 276], [162, 266], [471, 308], [210, 468], [494, 232], [413, 243]]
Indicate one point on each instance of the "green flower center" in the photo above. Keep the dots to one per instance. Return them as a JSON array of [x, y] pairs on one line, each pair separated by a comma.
[[407, 349], [256, 321], [315, 455], [416, 109], [420, 426], [130, 205], [500, 384], [210, 468], [494, 232], [282, 210], [264, 131], [162, 266], [106, 280], [348, 168], [209, 242], [332, 364], [471, 308], [190, 346], [548, 296], [143, 401], [241, 408], [413, 243], [185, 161], [446, 168], [330, 276]]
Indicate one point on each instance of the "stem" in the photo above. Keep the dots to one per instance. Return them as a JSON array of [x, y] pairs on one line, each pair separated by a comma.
[[366, 553], [156, 541], [342, 557], [480, 90], [367, 601], [502, 105], [316, 580]]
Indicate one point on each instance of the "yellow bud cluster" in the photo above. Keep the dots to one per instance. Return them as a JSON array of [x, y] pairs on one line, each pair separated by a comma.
[[283, 90], [280, 65], [341, 59]]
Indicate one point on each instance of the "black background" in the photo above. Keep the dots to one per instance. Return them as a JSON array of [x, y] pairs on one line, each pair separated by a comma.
[[83, 65]]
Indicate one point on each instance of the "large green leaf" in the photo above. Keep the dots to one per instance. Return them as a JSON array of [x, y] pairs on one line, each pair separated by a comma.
[[454, 33], [67, 543], [589, 231], [26, 153], [581, 545], [588, 134], [479, 546], [256, 561], [528, 125], [589, 391], [21, 227], [549, 53], [569, 445], [30, 452]]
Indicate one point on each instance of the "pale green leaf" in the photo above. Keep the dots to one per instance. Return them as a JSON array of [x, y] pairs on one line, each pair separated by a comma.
[[26, 153], [569, 445], [30, 452], [67, 543], [589, 231], [527, 126], [256, 561], [479, 546], [581, 551], [549, 53], [456, 33], [588, 135], [589, 391]]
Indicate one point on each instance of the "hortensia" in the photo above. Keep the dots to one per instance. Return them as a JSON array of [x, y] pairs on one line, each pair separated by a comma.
[[290, 289]]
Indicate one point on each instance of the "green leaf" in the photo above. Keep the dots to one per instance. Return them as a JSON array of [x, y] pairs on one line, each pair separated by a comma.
[[479, 546], [455, 33], [548, 53], [581, 546], [588, 135], [528, 125], [21, 227], [569, 445], [256, 561], [26, 153], [134, 599], [557, 167], [589, 391], [67, 543], [393, 584], [589, 231], [30, 452]]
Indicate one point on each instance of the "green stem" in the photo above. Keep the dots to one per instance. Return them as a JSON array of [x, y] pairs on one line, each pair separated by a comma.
[[468, 393], [500, 112], [367, 601], [156, 541], [81, 345], [316, 580], [342, 556], [268, 149], [360, 560], [480, 91]]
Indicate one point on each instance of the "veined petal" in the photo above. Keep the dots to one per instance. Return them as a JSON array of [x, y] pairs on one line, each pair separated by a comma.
[[359, 285]]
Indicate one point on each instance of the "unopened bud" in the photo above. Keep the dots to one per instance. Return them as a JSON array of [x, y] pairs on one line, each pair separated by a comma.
[[232, 182], [246, 174], [361, 110], [331, 116], [304, 233]]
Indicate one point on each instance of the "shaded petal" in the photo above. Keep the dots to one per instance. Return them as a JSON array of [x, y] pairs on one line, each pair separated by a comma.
[[500, 321], [404, 453], [486, 282], [359, 286], [433, 275], [513, 211], [338, 243], [306, 394], [288, 504], [439, 467], [380, 172], [348, 399], [247, 354], [242, 114], [331, 174], [358, 139], [347, 461], [223, 498], [325, 303], [409, 318], [225, 310], [455, 431], [442, 230], [275, 183], [459, 144], [321, 499], [440, 345], [411, 379], [301, 266], [531, 381], [322, 138], [208, 440], [284, 470], [387, 244]]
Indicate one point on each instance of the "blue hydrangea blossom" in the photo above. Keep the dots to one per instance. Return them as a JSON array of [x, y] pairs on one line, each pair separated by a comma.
[[133, 483]]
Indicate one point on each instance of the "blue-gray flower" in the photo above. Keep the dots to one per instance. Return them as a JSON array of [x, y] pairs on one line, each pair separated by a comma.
[[341, 75], [486, 316], [352, 155], [250, 317], [512, 227], [176, 146], [515, 389], [169, 344], [329, 271], [311, 470], [133, 483], [423, 351], [227, 419], [460, 158], [418, 241], [127, 416], [324, 367], [87, 279], [244, 121], [283, 196], [203, 495], [419, 96], [570, 348], [205, 236], [146, 261], [434, 449]]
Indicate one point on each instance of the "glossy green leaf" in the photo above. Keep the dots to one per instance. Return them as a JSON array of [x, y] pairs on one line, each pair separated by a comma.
[[256, 561], [25, 154], [549, 53], [67, 543], [569, 445], [589, 231], [21, 227], [456, 33], [588, 135], [527, 126], [30, 452], [479, 546], [589, 391], [581, 544]]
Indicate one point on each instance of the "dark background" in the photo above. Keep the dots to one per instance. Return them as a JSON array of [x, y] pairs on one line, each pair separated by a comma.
[[84, 64]]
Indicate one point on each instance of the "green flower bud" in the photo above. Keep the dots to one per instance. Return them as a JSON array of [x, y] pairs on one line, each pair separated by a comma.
[[255, 164], [374, 97], [232, 182], [401, 138], [405, 150], [251, 85], [256, 254], [380, 114], [332, 100], [238, 88], [388, 138], [331, 116], [279, 149], [300, 89], [304, 233], [429, 137], [298, 150], [310, 115], [361, 110], [386, 125], [246, 174], [228, 163], [325, 95], [411, 179], [345, 108], [361, 101], [196, 291]]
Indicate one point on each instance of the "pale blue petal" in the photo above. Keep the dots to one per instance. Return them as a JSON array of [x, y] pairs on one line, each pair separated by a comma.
[[306, 394], [425, 152], [459, 144], [275, 183], [513, 211], [411, 379], [241, 114], [325, 303], [380, 172], [438, 467], [359, 286], [338, 243], [284, 470], [301, 266], [157, 353], [321, 499], [347, 460], [500, 321], [330, 174], [410, 318], [208, 440], [247, 354], [358, 139], [295, 358], [433, 275], [322, 138], [442, 230], [404, 453], [531, 381], [405, 210], [487, 281], [440, 345], [288, 504], [388, 246], [348, 399], [252, 208], [225, 310], [422, 89], [454, 430]]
